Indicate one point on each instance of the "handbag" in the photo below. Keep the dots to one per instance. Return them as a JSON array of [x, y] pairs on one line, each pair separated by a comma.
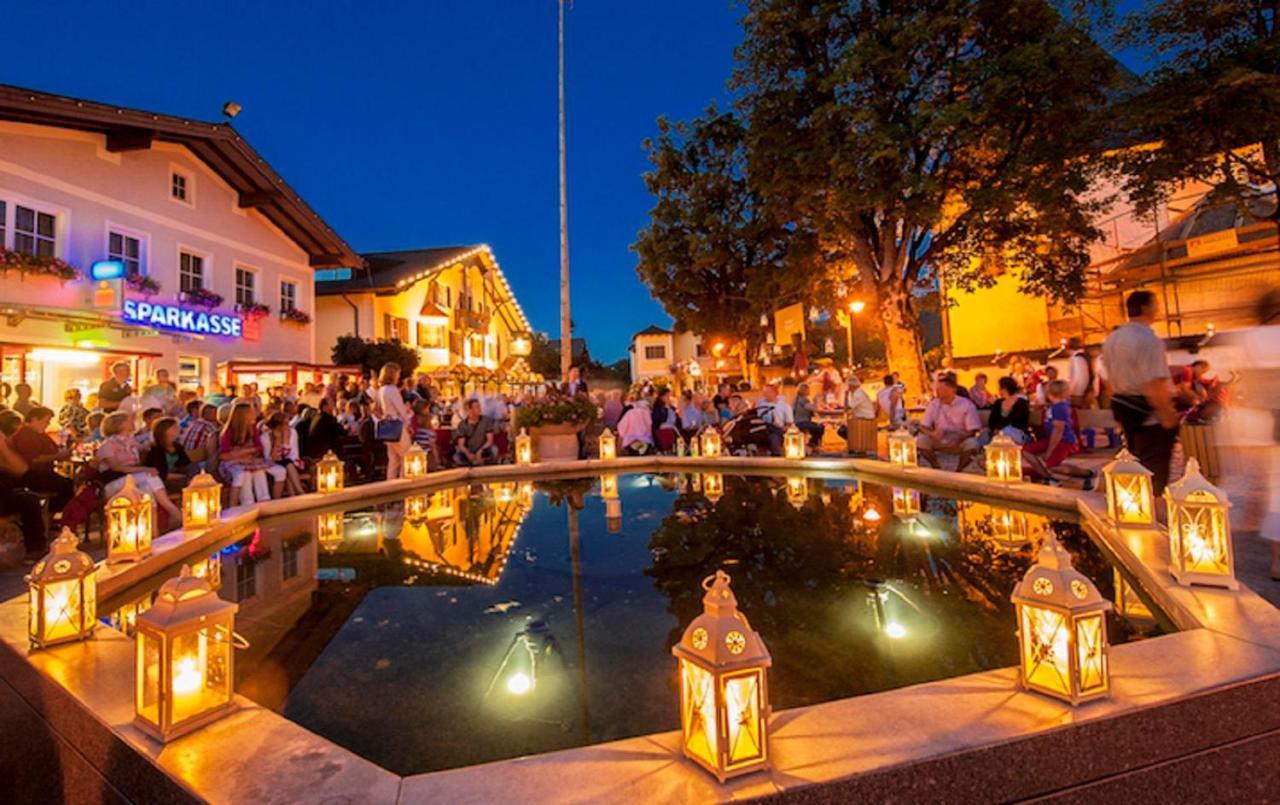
[[388, 430]]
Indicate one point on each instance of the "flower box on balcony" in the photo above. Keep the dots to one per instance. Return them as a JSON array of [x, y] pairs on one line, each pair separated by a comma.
[[12, 260], [253, 310], [295, 316], [202, 297]]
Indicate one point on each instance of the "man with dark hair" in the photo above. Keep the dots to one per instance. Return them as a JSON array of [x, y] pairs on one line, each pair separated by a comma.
[[324, 432], [1142, 392], [115, 388], [473, 438], [41, 453], [198, 435]]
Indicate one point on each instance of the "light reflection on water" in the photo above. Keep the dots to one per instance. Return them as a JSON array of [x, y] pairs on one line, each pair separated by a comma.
[[483, 622]]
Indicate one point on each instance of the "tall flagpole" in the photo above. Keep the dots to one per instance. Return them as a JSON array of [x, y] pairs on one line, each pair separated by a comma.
[[566, 327]]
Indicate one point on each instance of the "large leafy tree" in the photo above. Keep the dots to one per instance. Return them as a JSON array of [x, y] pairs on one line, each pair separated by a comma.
[[919, 137], [709, 255], [1213, 105]]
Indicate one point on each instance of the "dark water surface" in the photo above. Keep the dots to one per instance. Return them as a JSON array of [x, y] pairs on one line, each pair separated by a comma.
[[494, 621]]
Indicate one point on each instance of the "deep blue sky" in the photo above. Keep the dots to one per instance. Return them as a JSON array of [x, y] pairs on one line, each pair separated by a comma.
[[424, 123]]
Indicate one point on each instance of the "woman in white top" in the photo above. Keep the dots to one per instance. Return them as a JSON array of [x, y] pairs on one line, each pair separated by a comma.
[[392, 406]]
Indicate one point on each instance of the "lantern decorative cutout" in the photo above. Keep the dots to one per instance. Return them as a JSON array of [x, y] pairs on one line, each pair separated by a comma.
[[524, 448], [906, 501], [613, 514], [713, 486], [1062, 629], [1128, 485], [724, 686], [902, 449], [608, 445], [1199, 531], [330, 473], [711, 443], [415, 508], [184, 667], [201, 502], [130, 524], [415, 462], [609, 486], [793, 443], [797, 491], [1004, 459], [62, 602], [329, 531]]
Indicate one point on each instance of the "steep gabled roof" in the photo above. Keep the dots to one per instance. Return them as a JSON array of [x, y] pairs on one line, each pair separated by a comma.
[[652, 329], [218, 145]]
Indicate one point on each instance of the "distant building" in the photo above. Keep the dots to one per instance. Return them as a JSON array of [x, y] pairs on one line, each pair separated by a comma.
[[452, 304], [658, 353]]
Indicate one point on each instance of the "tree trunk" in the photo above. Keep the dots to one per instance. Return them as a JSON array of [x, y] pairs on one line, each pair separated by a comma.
[[902, 342]]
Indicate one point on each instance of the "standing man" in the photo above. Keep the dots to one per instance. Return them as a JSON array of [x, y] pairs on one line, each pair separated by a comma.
[[1142, 393], [1079, 375], [575, 385], [115, 388]]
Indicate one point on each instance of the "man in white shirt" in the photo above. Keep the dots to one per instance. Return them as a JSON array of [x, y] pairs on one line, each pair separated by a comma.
[[950, 424], [889, 402], [777, 415], [1141, 389], [857, 402], [1079, 375]]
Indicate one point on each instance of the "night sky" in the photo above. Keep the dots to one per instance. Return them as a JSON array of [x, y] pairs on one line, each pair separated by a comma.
[[413, 124]]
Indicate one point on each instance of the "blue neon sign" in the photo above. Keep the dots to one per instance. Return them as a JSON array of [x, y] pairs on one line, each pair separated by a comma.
[[172, 317], [107, 270]]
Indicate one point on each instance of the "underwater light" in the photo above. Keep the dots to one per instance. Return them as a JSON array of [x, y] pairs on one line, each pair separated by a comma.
[[519, 684]]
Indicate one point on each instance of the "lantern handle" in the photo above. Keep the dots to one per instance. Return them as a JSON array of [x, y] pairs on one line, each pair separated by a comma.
[[710, 581], [239, 641]]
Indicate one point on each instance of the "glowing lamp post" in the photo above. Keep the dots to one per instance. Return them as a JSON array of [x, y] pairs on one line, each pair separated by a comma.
[[1062, 629], [608, 445], [184, 666], [906, 501], [713, 486], [1129, 498], [329, 531], [330, 473], [524, 448], [130, 524], [902, 449], [62, 603], [1004, 459], [724, 687], [1199, 531], [201, 502], [415, 462], [793, 443], [711, 443]]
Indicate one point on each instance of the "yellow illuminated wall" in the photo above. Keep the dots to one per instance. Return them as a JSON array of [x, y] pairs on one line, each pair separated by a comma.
[[997, 318]]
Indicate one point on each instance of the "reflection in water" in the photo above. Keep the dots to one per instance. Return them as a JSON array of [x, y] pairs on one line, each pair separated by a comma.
[[482, 622]]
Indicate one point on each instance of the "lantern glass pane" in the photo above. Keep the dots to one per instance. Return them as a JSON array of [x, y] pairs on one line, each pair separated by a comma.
[[62, 607], [1131, 496], [1201, 531], [33, 611], [199, 665], [744, 728], [1046, 660], [698, 694], [147, 677], [1091, 653]]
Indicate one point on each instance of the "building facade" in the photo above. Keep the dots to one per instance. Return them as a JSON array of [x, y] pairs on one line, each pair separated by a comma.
[[165, 242], [453, 305], [656, 353]]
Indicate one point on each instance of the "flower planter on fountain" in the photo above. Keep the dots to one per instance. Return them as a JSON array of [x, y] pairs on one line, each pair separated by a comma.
[[553, 426]]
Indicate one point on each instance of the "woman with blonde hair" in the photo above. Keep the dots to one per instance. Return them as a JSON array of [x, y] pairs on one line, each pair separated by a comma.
[[118, 458], [241, 459], [392, 412]]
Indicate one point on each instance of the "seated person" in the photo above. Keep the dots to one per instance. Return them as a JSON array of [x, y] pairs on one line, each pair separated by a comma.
[[167, 456], [1010, 414], [22, 503], [690, 416], [40, 452], [324, 432], [73, 417], [118, 457], [777, 415], [280, 446], [144, 435], [1060, 441], [950, 424], [200, 434], [635, 429], [803, 410], [746, 428], [473, 438], [664, 422], [978, 391]]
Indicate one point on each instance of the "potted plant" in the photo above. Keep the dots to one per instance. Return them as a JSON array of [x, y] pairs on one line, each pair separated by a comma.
[[553, 425], [201, 296], [295, 316], [253, 310], [137, 281], [12, 260]]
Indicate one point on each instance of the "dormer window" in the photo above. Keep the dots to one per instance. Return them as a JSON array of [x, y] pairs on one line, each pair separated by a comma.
[[182, 186]]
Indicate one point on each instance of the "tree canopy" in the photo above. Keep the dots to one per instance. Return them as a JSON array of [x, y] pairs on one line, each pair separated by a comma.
[[352, 350]]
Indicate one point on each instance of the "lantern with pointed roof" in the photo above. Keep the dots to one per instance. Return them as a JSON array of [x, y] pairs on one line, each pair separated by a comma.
[[415, 462], [724, 693], [131, 521], [1199, 531], [1004, 459], [608, 445], [712, 486], [902, 449], [1062, 629], [793, 443], [524, 447], [62, 600], [201, 501], [1128, 487], [330, 473], [711, 444], [184, 667]]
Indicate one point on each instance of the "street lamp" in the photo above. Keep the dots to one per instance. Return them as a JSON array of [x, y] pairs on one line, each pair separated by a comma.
[[855, 308]]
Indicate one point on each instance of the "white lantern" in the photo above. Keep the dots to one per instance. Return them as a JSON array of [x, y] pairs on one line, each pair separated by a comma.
[[62, 602], [1128, 487], [711, 443], [524, 448], [201, 502], [1062, 629], [724, 687], [415, 462], [793, 443], [1200, 549], [608, 445], [906, 501], [330, 473], [1004, 459], [902, 449], [130, 524]]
